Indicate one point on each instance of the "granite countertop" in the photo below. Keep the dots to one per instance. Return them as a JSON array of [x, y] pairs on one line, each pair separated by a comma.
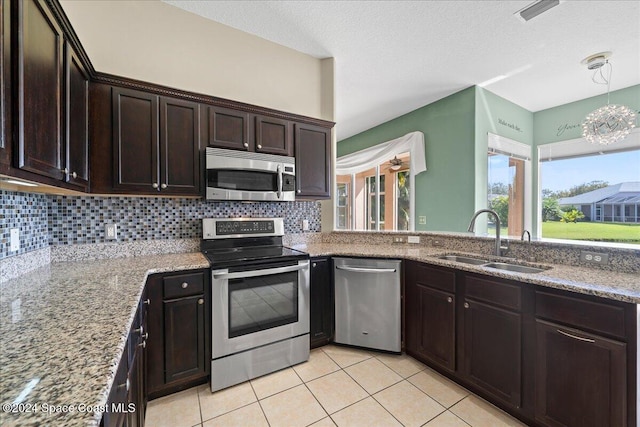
[[63, 329], [607, 284]]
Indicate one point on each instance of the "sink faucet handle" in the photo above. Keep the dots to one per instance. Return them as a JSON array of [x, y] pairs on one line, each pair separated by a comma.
[[528, 236]]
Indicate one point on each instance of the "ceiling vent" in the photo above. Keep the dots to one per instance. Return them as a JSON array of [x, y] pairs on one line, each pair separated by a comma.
[[535, 9]]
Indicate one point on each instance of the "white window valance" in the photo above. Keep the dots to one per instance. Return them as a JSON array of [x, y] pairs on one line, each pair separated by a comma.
[[371, 157]]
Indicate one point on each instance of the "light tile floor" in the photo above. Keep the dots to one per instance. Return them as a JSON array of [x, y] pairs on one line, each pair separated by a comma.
[[338, 386]]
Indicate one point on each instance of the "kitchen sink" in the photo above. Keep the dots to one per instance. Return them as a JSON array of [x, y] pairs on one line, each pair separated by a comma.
[[514, 267], [463, 259]]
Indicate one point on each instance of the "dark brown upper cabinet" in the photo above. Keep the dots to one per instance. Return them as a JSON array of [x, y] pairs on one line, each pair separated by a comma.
[[5, 85], [273, 136], [229, 129], [39, 91], [76, 120], [179, 146], [313, 161], [155, 144]]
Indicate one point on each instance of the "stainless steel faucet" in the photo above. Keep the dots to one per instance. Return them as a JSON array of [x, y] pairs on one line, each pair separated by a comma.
[[499, 249], [528, 236]]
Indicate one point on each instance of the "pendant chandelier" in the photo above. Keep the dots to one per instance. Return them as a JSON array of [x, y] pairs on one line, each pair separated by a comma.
[[611, 123]]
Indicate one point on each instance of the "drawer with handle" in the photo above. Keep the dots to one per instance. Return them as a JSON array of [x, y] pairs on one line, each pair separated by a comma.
[[183, 285]]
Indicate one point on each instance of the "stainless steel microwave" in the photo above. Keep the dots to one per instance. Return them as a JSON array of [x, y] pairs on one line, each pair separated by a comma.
[[241, 175]]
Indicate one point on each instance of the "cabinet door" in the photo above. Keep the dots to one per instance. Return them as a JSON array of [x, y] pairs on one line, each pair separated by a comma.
[[76, 120], [492, 350], [273, 136], [435, 335], [179, 147], [5, 84], [581, 378], [117, 400], [313, 161], [184, 338], [135, 141], [229, 129], [430, 313], [321, 297], [39, 100]]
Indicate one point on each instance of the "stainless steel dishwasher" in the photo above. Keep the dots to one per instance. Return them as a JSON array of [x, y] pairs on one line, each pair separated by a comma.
[[367, 295]]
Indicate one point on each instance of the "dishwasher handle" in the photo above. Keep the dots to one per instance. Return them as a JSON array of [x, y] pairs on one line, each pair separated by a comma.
[[365, 269]]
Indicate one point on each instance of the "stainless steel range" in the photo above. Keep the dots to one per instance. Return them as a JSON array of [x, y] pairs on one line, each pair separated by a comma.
[[260, 299]]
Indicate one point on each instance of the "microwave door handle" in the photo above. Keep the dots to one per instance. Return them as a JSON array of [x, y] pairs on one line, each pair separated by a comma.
[[279, 170], [255, 273]]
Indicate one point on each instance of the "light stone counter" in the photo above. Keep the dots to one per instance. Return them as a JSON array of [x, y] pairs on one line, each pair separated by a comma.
[[63, 329], [602, 283]]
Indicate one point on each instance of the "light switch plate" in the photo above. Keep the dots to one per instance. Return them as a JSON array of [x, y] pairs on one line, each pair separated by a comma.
[[14, 244], [305, 225], [422, 219]]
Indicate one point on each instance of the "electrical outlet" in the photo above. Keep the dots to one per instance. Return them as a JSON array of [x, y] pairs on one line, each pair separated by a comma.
[[14, 244], [111, 231], [594, 257], [422, 219], [399, 239], [305, 225], [413, 239]]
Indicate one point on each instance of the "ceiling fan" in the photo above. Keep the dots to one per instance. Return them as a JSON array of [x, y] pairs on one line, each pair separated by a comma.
[[396, 164]]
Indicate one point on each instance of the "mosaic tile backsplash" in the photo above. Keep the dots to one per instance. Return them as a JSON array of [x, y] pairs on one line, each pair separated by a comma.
[[61, 220], [28, 213]]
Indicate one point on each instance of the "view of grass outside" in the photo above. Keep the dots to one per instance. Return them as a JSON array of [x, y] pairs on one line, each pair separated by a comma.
[[593, 231]]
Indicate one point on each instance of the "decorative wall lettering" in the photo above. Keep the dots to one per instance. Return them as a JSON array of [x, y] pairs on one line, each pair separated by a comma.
[[509, 125], [565, 127]]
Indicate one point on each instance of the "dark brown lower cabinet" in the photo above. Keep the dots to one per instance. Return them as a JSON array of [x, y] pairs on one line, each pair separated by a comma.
[[179, 331], [321, 302], [492, 350], [430, 314], [581, 378]]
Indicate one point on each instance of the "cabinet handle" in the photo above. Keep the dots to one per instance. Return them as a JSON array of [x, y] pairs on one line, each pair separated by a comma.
[[74, 175], [184, 285], [466, 305], [154, 185], [140, 330], [299, 191], [147, 301], [201, 301], [125, 385], [314, 264], [566, 334], [143, 344], [246, 145], [163, 185], [65, 171], [450, 300], [259, 146]]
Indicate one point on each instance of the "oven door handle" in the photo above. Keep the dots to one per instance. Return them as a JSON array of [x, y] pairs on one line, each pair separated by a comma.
[[366, 269], [255, 273], [279, 170]]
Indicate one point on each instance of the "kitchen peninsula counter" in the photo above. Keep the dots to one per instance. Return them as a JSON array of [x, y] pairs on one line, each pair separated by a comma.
[[607, 284], [63, 330]]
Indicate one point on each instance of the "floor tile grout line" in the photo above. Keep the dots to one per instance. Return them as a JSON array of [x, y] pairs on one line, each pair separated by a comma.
[[460, 418], [264, 414]]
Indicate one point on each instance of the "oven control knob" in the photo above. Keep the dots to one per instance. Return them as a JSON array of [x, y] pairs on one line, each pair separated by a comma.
[[201, 301], [184, 285]]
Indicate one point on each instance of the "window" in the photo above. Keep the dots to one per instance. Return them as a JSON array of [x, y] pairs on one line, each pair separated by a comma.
[[343, 221], [376, 199], [375, 186], [590, 192], [508, 175]]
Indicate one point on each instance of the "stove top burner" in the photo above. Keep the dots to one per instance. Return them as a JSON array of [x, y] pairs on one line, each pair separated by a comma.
[[221, 258]]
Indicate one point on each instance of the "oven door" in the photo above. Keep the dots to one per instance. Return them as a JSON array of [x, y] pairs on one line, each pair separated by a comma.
[[254, 306]]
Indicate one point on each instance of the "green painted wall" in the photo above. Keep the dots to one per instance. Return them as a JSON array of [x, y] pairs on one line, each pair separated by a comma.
[[445, 191], [564, 122]]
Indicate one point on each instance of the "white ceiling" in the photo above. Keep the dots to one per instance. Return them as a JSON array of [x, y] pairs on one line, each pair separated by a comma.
[[392, 57]]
